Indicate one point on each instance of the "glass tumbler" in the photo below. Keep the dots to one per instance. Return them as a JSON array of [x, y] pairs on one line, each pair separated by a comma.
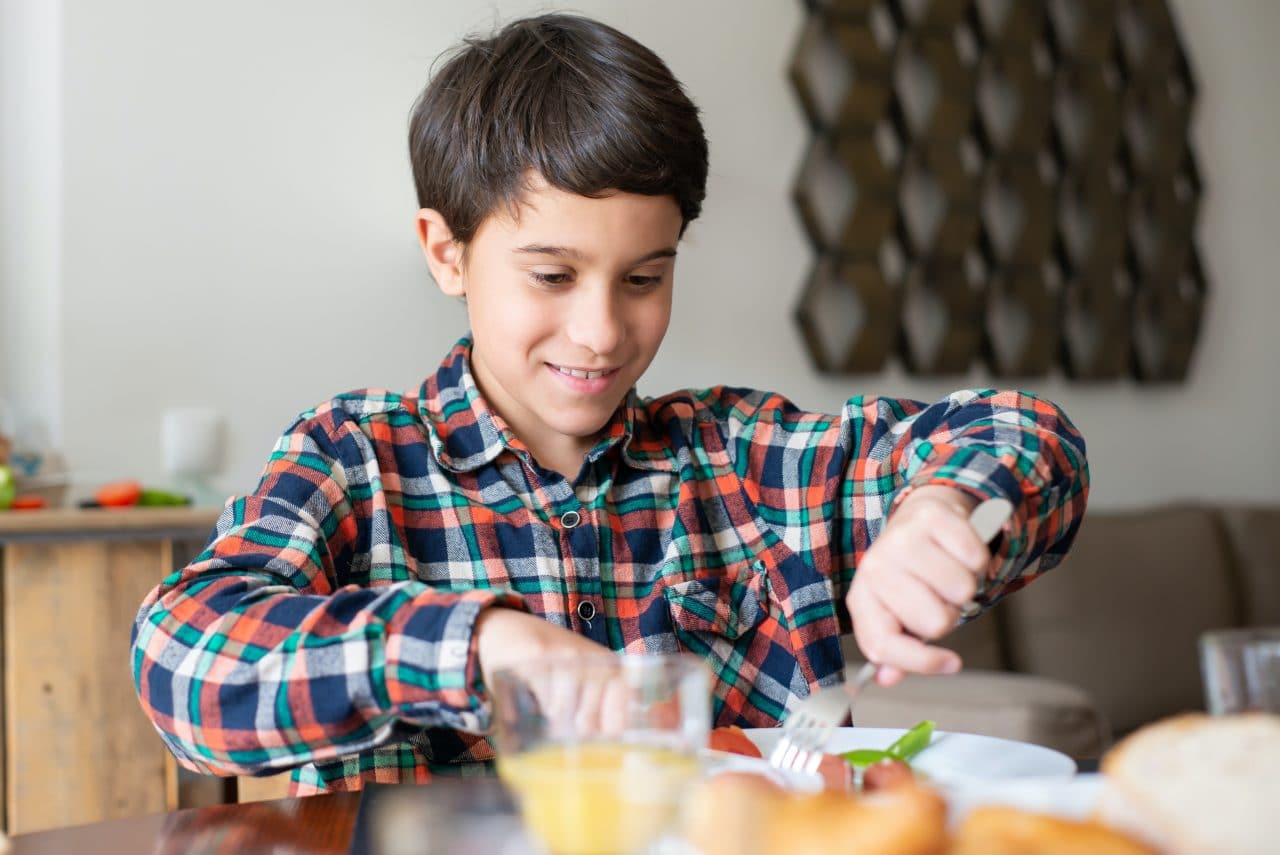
[[1241, 670], [600, 752]]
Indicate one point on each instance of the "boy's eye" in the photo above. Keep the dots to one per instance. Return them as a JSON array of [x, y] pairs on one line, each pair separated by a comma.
[[644, 281], [550, 278]]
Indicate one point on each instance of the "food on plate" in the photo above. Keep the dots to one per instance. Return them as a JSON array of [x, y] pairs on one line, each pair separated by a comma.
[[895, 811], [886, 774], [904, 748], [909, 820], [728, 813], [836, 774], [1196, 784], [733, 740], [744, 814], [881, 769], [998, 830]]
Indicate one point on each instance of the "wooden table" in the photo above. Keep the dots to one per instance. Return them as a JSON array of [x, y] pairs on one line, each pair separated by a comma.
[[469, 814], [77, 747], [314, 825]]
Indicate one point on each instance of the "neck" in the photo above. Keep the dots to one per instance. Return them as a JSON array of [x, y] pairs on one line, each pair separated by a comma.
[[564, 458], [559, 452]]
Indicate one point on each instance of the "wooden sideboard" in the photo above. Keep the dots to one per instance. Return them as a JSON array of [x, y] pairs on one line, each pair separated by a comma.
[[77, 747]]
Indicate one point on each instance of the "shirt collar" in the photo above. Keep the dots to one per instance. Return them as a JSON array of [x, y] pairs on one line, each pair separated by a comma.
[[466, 434]]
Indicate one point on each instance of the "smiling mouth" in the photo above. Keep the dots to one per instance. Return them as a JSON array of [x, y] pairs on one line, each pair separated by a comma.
[[584, 374]]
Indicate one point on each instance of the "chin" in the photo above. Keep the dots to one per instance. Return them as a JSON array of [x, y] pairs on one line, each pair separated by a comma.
[[584, 426]]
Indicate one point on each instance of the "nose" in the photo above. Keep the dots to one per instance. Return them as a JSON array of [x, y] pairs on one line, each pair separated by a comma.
[[595, 318]]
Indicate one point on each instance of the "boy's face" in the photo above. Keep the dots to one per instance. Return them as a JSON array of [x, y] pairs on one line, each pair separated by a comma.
[[568, 299]]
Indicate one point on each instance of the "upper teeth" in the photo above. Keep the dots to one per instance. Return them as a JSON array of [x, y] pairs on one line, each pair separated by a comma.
[[589, 375]]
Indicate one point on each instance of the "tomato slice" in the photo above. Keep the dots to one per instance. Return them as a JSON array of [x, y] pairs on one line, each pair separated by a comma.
[[733, 740], [28, 503]]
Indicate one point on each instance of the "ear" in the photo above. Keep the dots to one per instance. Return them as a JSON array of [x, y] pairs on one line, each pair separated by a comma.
[[444, 254]]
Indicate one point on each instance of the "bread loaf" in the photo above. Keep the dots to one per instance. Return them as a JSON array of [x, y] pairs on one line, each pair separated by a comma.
[[1197, 784]]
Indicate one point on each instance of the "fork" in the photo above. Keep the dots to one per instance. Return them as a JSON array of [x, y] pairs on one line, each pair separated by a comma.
[[811, 723]]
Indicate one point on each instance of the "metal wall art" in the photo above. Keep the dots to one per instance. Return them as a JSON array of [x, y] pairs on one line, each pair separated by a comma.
[[999, 180]]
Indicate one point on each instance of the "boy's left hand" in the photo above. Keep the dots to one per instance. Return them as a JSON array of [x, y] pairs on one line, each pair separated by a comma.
[[912, 582]]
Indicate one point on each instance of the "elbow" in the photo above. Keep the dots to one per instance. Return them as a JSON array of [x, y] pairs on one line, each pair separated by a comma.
[[165, 694]]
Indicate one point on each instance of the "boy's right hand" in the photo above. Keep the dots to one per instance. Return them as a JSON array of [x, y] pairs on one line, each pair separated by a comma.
[[506, 638]]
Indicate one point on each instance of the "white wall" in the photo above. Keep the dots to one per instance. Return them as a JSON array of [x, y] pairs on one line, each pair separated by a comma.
[[30, 215], [236, 211]]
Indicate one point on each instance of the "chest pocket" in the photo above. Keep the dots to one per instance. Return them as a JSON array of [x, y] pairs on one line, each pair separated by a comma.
[[768, 629], [725, 607]]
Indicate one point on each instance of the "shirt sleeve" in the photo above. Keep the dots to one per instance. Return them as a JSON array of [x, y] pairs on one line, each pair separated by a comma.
[[300, 634], [830, 483]]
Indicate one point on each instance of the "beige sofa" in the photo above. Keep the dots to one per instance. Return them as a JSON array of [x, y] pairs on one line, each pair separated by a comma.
[[1106, 641]]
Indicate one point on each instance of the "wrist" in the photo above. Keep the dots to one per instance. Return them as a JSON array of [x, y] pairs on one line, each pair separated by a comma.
[[960, 501], [498, 635]]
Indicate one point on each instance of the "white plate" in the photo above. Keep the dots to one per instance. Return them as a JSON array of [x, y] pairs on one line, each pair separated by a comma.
[[952, 759], [717, 762], [1071, 798]]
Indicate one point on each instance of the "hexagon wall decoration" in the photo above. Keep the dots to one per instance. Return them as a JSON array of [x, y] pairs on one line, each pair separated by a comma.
[[1007, 182]]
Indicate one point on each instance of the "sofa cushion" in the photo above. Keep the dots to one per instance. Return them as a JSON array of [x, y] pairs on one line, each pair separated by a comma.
[[992, 703], [1121, 616], [978, 643], [1254, 533]]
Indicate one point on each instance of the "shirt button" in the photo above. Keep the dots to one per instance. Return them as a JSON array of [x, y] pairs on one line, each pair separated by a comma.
[[570, 519], [586, 610]]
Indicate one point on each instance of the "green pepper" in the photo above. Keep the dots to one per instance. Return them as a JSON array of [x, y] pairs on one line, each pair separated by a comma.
[[161, 499], [913, 741], [904, 747], [865, 756]]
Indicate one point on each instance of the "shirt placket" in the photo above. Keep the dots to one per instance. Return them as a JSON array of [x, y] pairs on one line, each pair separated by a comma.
[[580, 550]]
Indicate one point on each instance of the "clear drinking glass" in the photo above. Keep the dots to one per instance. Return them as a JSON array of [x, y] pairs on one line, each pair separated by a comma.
[[600, 752], [1241, 669]]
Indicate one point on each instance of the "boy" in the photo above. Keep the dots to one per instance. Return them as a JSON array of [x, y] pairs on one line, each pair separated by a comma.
[[526, 502]]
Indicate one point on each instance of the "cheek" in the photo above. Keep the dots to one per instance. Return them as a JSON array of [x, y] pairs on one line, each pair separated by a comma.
[[654, 320], [508, 314]]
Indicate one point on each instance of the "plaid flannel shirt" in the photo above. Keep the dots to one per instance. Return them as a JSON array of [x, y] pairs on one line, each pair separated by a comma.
[[327, 626]]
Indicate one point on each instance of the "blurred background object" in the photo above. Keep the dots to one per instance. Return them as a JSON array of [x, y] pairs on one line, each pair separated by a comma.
[[38, 473], [191, 441]]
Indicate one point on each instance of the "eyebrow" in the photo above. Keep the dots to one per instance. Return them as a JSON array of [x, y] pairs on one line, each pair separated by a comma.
[[570, 252]]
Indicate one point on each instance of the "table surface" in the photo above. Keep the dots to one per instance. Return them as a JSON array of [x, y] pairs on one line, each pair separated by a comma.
[[300, 826], [64, 521]]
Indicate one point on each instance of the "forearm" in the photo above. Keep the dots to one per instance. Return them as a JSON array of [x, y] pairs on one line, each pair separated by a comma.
[[241, 675], [1008, 445], [977, 444]]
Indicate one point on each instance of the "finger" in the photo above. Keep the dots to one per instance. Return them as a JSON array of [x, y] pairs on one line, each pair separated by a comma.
[[882, 640], [888, 675], [917, 608], [614, 706], [912, 655], [554, 700], [950, 580], [587, 720], [959, 539], [871, 621]]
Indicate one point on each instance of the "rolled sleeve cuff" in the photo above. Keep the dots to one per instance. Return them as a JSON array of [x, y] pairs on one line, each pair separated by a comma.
[[983, 476], [433, 671]]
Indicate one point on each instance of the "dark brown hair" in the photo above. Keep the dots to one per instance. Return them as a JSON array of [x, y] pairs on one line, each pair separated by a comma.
[[587, 107]]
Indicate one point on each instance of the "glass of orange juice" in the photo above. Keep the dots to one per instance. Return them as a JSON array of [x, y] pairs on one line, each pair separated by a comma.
[[600, 751]]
